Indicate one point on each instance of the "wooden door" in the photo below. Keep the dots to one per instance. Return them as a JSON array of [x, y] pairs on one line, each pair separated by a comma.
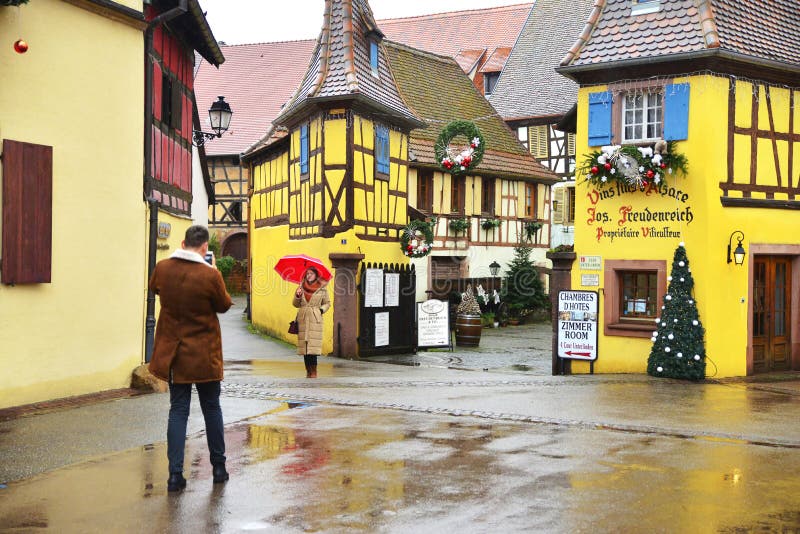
[[771, 313]]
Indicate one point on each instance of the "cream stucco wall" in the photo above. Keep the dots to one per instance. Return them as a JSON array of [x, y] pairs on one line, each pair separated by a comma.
[[79, 89]]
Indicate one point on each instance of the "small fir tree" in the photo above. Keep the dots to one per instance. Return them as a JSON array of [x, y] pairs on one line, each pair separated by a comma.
[[468, 302], [679, 349], [523, 288]]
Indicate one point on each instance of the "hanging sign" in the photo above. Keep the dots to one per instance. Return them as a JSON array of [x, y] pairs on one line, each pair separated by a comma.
[[577, 324], [433, 323]]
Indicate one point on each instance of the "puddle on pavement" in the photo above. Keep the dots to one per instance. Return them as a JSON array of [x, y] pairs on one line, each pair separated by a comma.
[[279, 369], [310, 467]]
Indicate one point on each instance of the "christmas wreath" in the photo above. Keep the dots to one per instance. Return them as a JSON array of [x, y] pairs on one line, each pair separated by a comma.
[[457, 160], [416, 239], [634, 165]]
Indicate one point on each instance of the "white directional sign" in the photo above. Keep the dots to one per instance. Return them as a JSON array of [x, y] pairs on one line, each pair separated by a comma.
[[577, 324]]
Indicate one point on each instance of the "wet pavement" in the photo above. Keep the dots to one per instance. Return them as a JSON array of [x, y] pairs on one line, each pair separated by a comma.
[[434, 445]]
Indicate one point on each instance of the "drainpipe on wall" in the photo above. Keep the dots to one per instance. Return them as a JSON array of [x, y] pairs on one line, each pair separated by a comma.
[[150, 321]]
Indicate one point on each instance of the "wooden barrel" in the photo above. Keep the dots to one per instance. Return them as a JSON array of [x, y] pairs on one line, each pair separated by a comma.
[[468, 329]]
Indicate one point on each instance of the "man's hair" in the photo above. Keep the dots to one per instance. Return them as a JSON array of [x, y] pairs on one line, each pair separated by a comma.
[[195, 236]]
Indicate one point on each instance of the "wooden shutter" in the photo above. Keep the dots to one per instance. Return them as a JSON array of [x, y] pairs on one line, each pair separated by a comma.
[[600, 118], [558, 205], [570, 144], [537, 141], [304, 149], [382, 149], [27, 213], [676, 112], [176, 106]]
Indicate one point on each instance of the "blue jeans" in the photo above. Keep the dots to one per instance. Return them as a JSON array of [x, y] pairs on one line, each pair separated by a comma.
[[180, 396]]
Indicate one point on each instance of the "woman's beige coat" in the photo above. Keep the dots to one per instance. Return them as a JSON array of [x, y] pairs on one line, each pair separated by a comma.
[[309, 320]]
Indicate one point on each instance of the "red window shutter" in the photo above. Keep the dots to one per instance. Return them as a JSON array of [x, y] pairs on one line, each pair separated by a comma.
[[27, 213]]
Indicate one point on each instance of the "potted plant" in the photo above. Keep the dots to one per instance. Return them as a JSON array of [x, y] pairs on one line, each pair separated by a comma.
[[459, 225], [491, 224], [488, 320], [468, 320]]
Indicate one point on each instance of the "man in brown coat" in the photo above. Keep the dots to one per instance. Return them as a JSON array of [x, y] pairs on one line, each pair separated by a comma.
[[188, 348]]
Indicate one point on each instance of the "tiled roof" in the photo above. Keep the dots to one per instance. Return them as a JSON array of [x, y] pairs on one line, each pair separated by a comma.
[[257, 80], [767, 29], [340, 65], [468, 59], [763, 29], [496, 59], [529, 85], [449, 95], [449, 33]]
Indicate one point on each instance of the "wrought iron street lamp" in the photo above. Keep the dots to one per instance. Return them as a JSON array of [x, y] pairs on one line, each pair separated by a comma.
[[739, 252], [220, 117], [494, 268]]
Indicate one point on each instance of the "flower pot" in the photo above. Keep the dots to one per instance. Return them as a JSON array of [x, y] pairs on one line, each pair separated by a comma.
[[468, 329], [513, 322]]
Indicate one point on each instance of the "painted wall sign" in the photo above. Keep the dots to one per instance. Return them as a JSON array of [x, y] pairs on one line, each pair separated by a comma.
[[590, 280], [164, 229], [590, 263], [638, 220], [433, 323], [373, 291], [577, 324]]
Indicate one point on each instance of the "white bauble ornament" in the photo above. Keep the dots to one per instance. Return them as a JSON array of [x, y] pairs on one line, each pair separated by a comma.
[[666, 349], [663, 307], [655, 334], [668, 297], [670, 337], [658, 319], [680, 355], [681, 244], [681, 264], [682, 279], [659, 368], [669, 279], [695, 323], [697, 357], [675, 321], [653, 339], [663, 324], [691, 301]]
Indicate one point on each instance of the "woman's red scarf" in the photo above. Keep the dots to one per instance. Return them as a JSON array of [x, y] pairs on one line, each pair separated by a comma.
[[309, 288]]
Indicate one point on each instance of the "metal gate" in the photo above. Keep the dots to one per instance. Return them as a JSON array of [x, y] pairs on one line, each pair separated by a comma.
[[401, 321]]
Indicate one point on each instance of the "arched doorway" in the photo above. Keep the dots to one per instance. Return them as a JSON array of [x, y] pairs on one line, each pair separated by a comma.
[[235, 245]]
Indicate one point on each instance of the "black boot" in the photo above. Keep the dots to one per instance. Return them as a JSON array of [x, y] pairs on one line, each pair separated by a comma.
[[176, 482], [311, 365], [220, 474]]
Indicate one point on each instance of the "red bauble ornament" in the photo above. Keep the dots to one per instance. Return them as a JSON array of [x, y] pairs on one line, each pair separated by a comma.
[[595, 170], [663, 165], [20, 46], [466, 161], [409, 248], [650, 174], [607, 166]]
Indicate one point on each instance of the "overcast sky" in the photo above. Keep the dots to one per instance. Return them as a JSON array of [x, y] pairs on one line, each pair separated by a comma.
[[260, 21]]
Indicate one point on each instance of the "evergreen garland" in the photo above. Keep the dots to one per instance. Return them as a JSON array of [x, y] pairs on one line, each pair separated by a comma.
[[678, 343]]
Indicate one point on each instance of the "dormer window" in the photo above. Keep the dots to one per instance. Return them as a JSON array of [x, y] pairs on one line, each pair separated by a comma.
[[489, 82], [643, 7], [373, 57]]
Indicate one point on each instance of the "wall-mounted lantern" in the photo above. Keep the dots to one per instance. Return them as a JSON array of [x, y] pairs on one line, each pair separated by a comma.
[[738, 252], [494, 268], [220, 117]]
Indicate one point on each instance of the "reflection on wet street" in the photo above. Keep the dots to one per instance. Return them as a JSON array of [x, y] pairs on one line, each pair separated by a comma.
[[318, 468]]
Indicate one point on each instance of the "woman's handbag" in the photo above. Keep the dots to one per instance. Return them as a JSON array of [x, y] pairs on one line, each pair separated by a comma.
[[293, 327]]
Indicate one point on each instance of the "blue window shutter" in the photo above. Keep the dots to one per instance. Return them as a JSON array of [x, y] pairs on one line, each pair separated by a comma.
[[676, 112], [600, 118], [382, 149], [304, 149]]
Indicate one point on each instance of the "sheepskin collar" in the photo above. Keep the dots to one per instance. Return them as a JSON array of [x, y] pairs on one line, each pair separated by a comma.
[[188, 255]]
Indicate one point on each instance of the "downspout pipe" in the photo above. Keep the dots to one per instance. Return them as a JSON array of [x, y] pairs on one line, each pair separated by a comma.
[[150, 321]]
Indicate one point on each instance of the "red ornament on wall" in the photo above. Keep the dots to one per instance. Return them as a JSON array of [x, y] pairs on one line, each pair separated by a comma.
[[607, 166], [595, 170], [20, 46], [650, 174]]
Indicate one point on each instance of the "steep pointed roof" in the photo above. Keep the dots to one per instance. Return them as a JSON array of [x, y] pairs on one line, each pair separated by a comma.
[[765, 32], [450, 95], [529, 87], [340, 67]]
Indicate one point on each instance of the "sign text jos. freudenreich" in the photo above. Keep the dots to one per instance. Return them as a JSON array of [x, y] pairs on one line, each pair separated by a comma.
[[577, 324]]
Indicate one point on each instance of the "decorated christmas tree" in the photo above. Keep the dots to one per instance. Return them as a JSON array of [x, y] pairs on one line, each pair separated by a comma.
[[678, 343]]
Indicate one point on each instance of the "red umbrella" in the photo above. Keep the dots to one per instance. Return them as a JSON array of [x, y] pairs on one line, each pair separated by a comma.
[[291, 268]]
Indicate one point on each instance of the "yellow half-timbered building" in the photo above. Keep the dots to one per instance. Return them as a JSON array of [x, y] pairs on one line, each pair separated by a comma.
[[726, 94]]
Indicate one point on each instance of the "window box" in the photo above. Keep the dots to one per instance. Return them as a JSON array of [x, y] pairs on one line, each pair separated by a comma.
[[491, 224]]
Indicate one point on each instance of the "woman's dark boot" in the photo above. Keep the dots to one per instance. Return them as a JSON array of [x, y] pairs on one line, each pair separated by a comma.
[[311, 366]]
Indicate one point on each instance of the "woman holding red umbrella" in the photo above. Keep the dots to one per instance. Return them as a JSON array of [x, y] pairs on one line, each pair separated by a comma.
[[312, 301]]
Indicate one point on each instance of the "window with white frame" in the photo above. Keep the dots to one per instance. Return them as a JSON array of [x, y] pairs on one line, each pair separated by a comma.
[[642, 116]]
